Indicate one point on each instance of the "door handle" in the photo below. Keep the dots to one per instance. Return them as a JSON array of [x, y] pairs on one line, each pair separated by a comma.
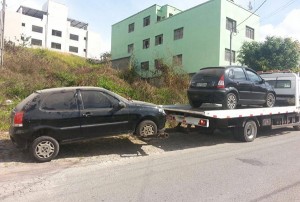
[[87, 114]]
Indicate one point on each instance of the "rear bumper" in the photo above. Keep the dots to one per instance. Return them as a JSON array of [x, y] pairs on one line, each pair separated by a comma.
[[207, 95], [19, 137]]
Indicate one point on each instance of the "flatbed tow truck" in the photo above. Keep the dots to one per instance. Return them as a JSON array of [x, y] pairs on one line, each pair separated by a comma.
[[244, 122]]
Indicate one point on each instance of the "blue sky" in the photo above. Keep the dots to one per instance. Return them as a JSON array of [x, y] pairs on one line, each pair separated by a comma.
[[280, 17]]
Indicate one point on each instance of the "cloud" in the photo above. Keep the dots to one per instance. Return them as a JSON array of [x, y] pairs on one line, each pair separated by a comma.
[[287, 28]]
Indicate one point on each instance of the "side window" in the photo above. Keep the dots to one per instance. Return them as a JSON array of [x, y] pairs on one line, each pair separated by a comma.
[[253, 77], [239, 74], [60, 101], [95, 99]]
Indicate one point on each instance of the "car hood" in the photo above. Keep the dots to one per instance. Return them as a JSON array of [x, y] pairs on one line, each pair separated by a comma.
[[143, 104]]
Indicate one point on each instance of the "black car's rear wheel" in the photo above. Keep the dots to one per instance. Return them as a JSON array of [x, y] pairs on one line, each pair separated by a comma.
[[195, 104], [44, 148], [146, 128], [230, 101], [270, 100]]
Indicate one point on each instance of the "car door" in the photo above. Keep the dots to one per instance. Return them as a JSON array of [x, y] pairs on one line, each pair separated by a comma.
[[259, 89], [99, 114], [241, 83], [60, 113]]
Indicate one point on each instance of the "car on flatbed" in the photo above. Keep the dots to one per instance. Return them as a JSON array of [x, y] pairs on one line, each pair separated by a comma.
[[50, 117], [230, 86]]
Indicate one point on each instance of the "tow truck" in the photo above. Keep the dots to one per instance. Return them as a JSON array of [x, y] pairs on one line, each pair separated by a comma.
[[244, 122]]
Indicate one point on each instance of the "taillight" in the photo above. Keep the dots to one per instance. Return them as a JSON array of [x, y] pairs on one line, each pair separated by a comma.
[[221, 82], [18, 119]]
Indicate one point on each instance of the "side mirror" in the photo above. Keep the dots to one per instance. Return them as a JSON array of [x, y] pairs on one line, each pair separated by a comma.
[[121, 105]]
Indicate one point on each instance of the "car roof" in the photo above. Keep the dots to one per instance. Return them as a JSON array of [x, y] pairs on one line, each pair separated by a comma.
[[226, 67], [49, 90]]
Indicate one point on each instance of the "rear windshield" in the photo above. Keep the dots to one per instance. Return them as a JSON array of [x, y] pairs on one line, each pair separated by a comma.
[[26, 102], [209, 72]]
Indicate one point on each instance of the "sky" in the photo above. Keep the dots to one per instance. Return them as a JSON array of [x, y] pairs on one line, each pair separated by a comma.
[[278, 17]]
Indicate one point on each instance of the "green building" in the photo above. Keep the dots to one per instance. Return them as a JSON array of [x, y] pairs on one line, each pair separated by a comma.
[[190, 39]]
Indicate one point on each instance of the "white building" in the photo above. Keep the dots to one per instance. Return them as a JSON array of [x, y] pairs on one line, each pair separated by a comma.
[[51, 28]]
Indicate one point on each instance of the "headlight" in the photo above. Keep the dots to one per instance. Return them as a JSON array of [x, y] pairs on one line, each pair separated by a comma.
[[161, 110]]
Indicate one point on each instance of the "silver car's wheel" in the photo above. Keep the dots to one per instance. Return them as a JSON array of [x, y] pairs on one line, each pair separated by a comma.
[[146, 128], [270, 100], [44, 148], [231, 101]]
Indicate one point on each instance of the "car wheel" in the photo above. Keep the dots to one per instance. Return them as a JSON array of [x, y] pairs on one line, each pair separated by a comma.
[[230, 101], [270, 100], [247, 133], [44, 148], [296, 128], [195, 104], [146, 128]]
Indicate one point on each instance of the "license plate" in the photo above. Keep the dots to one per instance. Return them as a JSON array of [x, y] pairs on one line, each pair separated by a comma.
[[201, 84]]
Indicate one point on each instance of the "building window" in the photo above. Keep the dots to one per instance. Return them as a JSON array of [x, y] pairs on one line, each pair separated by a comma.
[[177, 60], [84, 50], [56, 33], [249, 32], [158, 64], [73, 49], [131, 27], [230, 24], [170, 14], [227, 55], [37, 29], [146, 21], [84, 38], [159, 39], [36, 42], [146, 43], [23, 24], [74, 37], [145, 66], [56, 45], [158, 18], [130, 48], [178, 33]]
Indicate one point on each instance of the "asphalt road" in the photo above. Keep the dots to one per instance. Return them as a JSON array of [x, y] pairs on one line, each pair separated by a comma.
[[218, 169]]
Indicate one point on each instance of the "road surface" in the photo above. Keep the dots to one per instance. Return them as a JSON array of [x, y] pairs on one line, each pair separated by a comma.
[[215, 169]]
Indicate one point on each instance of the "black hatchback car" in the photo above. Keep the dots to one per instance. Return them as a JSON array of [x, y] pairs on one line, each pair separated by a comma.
[[230, 86], [49, 117]]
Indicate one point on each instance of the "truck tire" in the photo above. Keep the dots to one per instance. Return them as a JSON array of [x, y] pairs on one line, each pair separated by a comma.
[[297, 128], [247, 133], [44, 149], [146, 128]]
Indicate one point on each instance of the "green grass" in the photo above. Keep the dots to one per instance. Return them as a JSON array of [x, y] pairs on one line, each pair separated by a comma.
[[27, 70]]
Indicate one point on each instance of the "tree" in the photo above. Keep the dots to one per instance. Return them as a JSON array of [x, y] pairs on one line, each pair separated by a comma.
[[274, 53]]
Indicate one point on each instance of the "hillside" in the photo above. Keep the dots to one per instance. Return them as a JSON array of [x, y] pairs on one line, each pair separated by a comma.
[[26, 70]]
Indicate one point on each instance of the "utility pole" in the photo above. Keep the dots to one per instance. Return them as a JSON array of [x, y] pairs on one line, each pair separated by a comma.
[[2, 31]]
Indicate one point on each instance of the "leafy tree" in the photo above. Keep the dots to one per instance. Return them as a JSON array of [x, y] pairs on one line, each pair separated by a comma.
[[274, 53]]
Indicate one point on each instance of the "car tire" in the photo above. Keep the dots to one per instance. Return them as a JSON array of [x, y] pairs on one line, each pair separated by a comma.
[[270, 100], [247, 133], [146, 128], [195, 104], [44, 149], [230, 101]]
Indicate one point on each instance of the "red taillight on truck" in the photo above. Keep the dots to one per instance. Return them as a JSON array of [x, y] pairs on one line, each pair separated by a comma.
[[221, 83], [18, 119]]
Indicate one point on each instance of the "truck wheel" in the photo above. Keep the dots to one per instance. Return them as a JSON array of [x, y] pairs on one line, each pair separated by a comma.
[[146, 128], [230, 101], [270, 100], [44, 148], [247, 133], [297, 128]]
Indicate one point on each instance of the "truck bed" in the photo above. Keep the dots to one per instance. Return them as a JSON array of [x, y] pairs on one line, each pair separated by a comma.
[[216, 111]]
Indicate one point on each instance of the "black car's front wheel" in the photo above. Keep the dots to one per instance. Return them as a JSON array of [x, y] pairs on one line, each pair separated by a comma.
[[44, 148], [270, 100], [230, 101], [146, 128]]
